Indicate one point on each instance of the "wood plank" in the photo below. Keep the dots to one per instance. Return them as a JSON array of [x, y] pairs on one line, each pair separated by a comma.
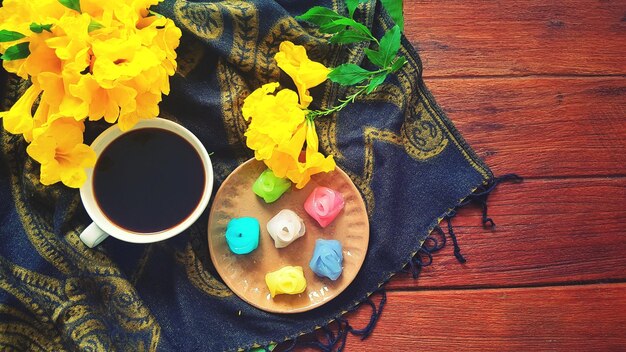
[[548, 232], [571, 318], [475, 37], [541, 126]]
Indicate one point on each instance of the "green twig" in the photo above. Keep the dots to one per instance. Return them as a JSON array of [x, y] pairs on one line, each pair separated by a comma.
[[344, 102]]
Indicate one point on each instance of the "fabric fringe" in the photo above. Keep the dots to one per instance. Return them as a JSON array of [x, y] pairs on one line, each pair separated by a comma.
[[333, 336], [437, 239]]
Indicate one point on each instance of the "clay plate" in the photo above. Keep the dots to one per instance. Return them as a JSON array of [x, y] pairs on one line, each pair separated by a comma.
[[245, 274]]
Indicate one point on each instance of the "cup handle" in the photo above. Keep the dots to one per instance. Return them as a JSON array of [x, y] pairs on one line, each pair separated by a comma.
[[92, 235]]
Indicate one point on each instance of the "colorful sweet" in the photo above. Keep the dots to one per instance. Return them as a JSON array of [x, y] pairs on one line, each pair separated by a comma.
[[327, 259], [285, 227], [242, 235], [288, 280], [324, 204], [270, 187]]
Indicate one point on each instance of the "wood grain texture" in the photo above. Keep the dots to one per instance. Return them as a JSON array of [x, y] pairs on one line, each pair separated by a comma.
[[537, 88], [541, 127], [548, 232], [477, 38], [570, 318]]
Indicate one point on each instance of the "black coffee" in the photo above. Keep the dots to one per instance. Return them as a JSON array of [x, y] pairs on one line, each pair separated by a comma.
[[148, 180]]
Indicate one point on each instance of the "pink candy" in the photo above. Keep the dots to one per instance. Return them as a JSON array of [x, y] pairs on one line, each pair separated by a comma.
[[324, 204]]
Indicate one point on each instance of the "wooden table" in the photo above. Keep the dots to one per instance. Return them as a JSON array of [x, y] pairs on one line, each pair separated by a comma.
[[537, 88]]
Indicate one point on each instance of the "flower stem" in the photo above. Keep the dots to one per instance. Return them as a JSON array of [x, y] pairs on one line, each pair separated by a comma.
[[344, 102]]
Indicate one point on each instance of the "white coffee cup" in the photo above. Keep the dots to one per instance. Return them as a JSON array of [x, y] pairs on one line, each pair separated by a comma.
[[102, 227]]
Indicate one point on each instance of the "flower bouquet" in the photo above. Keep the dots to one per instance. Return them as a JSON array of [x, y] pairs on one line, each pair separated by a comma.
[[86, 60]]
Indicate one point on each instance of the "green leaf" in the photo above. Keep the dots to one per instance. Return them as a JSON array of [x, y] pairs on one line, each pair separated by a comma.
[[351, 23], [71, 4], [9, 36], [93, 25], [16, 52], [347, 37], [352, 5], [397, 65], [332, 28], [38, 28], [375, 57], [389, 46], [376, 81], [394, 8], [319, 15], [349, 74]]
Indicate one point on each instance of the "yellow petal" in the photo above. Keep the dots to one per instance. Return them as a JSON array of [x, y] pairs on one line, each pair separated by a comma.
[[84, 156], [304, 72], [73, 177], [312, 142], [294, 146], [127, 121], [68, 133], [42, 150], [313, 73], [53, 88], [50, 173], [251, 101], [19, 118]]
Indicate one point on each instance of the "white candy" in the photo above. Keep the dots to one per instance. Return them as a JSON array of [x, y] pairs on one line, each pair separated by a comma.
[[285, 227]]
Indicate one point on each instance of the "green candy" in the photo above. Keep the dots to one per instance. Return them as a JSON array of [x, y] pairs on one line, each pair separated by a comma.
[[270, 187]]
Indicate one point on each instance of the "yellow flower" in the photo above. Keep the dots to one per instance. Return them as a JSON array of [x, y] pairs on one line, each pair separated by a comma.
[[117, 71], [279, 129], [254, 99], [274, 118], [304, 72], [60, 150], [70, 35], [120, 59], [19, 118], [285, 161]]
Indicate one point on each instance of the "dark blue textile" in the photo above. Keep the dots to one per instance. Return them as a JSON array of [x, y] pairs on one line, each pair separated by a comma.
[[404, 155]]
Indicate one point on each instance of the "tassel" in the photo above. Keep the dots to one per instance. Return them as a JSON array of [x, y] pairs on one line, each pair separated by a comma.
[[437, 239], [337, 339], [424, 257], [455, 243]]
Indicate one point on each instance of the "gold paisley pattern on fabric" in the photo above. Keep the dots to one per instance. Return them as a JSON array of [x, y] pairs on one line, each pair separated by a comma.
[[203, 19], [245, 19], [207, 21], [190, 52], [233, 90], [422, 138], [199, 276], [20, 331]]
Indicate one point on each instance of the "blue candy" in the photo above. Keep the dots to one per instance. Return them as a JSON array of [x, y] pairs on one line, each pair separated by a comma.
[[242, 235], [327, 259]]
